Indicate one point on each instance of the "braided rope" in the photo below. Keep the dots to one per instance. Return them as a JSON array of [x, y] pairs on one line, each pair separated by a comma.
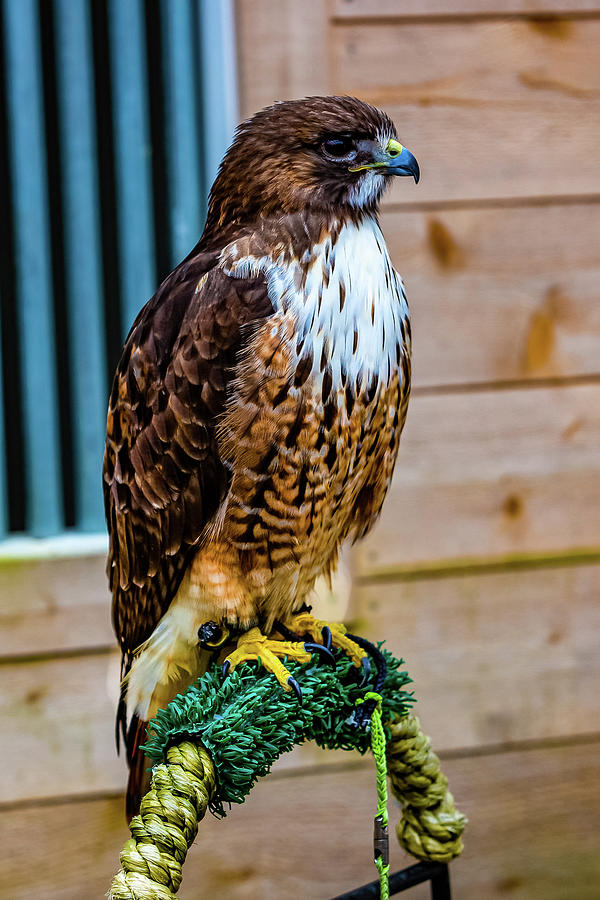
[[179, 795], [431, 827]]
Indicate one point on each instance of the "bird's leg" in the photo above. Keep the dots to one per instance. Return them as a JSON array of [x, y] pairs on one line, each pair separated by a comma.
[[330, 634]]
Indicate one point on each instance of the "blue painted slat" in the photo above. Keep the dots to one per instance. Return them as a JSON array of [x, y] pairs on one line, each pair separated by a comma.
[[133, 156], [3, 472], [33, 267], [182, 102], [220, 113], [82, 255]]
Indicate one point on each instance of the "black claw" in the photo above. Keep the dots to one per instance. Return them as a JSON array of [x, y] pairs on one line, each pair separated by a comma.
[[295, 687], [326, 636], [377, 657], [363, 713], [366, 667], [325, 652], [226, 668]]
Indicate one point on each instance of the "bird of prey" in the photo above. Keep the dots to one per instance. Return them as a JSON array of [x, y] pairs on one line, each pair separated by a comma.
[[256, 411]]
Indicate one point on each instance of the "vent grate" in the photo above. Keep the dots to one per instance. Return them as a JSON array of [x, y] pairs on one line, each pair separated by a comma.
[[105, 162]]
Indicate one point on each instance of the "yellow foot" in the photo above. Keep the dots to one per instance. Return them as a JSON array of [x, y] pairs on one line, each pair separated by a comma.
[[330, 634], [253, 644]]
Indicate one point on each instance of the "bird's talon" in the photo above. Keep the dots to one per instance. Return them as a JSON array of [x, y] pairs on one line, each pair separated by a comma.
[[295, 687], [325, 652], [366, 669], [226, 668], [326, 636]]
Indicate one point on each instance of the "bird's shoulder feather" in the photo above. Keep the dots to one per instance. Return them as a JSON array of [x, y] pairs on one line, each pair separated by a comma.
[[163, 476]]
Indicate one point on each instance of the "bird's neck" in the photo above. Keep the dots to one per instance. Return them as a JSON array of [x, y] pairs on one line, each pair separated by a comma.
[[351, 305]]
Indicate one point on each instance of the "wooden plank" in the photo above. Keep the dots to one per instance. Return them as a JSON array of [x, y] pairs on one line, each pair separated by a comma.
[[500, 294], [534, 817], [491, 476], [57, 725], [488, 109], [283, 51], [51, 606], [4, 513], [61, 713], [495, 658], [399, 9]]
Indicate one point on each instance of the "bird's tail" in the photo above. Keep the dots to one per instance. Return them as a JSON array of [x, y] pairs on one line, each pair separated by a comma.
[[138, 782], [157, 697]]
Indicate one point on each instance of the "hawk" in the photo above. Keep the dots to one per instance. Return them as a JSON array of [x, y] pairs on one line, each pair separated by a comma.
[[255, 413]]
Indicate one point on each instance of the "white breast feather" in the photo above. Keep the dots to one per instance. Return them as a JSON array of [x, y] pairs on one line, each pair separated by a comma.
[[374, 303]]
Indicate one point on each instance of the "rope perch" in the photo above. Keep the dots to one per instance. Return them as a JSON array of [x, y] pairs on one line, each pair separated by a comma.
[[213, 742], [166, 827]]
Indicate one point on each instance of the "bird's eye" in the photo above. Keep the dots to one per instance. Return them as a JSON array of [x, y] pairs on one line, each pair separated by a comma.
[[339, 147]]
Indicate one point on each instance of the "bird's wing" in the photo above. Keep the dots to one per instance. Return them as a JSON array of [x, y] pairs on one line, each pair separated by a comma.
[[163, 477]]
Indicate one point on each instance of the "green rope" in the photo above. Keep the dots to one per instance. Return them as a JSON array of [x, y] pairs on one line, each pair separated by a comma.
[[381, 841]]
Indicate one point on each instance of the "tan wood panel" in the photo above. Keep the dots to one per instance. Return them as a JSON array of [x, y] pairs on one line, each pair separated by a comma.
[[491, 476], [500, 294], [534, 818], [57, 724], [283, 51], [495, 658], [54, 605], [373, 9], [491, 109]]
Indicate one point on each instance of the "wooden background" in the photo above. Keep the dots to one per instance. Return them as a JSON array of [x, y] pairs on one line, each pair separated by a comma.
[[483, 572]]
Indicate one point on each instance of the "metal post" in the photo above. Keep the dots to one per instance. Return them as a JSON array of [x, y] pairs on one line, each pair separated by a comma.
[[440, 884], [436, 873]]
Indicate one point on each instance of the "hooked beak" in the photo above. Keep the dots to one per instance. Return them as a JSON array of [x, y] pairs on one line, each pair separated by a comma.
[[401, 161], [395, 159]]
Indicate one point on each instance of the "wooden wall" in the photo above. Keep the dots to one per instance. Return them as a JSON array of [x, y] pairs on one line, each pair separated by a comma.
[[484, 570]]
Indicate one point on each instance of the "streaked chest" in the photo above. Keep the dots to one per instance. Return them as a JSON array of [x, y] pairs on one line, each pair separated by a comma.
[[313, 423]]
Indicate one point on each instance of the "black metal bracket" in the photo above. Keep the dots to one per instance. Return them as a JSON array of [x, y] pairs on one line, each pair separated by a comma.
[[436, 873]]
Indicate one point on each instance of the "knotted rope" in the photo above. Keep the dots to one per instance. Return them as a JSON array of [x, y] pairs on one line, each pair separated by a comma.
[[431, 827]]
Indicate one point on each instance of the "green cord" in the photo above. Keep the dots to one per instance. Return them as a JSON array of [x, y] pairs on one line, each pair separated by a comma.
[[381, 845]]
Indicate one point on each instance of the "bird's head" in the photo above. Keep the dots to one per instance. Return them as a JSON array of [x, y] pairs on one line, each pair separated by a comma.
[[332, 154]]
